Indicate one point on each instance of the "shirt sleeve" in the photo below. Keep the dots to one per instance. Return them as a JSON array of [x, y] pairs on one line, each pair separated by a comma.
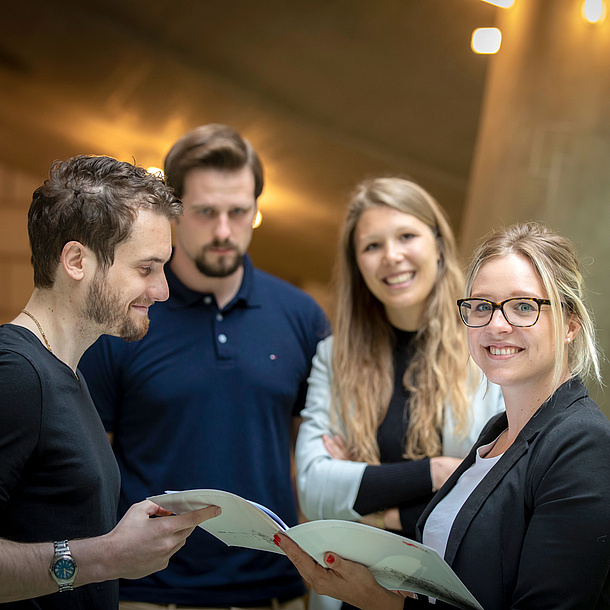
[[329, 488], [317, 329], [20, 419], [389, 485], [326, 487]]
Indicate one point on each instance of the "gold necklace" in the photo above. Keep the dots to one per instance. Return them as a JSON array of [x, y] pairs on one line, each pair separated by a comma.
[[46, 341]]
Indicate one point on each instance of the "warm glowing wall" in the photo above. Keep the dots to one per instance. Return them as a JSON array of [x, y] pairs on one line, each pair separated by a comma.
[[16, 283], [543, 151]]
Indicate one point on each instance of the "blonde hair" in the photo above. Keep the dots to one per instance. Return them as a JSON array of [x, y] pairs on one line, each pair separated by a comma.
[[555, 261], [363, 338]]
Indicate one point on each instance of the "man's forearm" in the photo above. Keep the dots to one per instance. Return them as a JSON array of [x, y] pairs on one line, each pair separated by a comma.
[[24, 570], [136, 547]]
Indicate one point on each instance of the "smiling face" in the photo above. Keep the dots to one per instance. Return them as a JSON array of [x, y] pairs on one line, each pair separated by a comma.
[[397, 256], [515, 358], [118, 298], [216, 229]]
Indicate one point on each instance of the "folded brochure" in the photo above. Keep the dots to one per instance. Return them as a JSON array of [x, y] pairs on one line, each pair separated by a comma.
[[397, 563]]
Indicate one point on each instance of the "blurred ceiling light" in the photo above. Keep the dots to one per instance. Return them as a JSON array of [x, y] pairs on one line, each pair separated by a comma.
[[155, 170], [257, 219], [501, 3], [486, 40], [594, 11]]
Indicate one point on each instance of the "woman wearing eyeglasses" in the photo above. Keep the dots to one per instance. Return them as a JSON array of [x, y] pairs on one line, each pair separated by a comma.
[[525, 519]]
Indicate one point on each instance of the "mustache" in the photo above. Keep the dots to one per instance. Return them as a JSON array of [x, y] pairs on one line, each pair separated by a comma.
[[220, 244]]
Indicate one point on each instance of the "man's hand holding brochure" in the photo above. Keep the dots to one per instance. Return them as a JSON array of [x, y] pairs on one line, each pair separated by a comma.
[[397, 563]]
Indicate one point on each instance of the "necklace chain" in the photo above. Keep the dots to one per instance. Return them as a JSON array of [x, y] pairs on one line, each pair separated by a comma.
[[46, 341]]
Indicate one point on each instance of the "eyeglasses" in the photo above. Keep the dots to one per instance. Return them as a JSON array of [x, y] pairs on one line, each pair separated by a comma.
[[519, 311]]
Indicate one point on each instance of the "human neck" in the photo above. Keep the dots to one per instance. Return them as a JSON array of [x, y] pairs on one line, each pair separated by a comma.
[[524, 401], [57, 327], [408, 320], [223, 288]]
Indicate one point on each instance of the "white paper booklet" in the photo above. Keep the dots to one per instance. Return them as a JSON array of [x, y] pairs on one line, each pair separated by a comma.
[[397, 563]]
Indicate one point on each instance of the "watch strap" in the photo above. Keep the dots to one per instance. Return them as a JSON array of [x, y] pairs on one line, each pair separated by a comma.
[[62, 551], [61, 548]]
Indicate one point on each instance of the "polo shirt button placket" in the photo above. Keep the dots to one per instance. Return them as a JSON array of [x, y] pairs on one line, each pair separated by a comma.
[[223, 350]]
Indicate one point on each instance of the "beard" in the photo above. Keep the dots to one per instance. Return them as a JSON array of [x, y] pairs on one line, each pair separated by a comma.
[[221, 266], [104, 307]]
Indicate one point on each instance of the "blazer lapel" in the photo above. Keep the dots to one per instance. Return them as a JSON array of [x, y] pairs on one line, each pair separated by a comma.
[[482, 492], [569, 392], [490, 431]]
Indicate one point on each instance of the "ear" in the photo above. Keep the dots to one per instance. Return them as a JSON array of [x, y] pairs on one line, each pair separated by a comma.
[[572, 329], [255, 214], [75, 259]]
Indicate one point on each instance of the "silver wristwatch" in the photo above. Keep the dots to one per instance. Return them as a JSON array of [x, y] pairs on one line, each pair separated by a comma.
[[63, 567]]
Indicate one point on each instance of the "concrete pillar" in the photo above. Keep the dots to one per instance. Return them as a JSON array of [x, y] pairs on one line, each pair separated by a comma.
[[543, 149]]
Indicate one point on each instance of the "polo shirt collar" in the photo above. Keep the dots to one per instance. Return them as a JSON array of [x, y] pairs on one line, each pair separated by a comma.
[[180, 296]]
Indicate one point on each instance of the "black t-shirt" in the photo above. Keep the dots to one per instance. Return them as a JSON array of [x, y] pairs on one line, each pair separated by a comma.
[[58, 476]]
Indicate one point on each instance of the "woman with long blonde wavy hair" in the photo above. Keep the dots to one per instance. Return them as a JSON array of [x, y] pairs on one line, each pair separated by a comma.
[[393, 402]]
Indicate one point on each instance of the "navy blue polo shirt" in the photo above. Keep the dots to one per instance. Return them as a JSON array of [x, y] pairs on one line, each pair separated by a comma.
[[206, 400]]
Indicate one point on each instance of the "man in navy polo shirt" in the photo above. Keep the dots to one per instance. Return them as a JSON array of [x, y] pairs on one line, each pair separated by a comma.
[[210, 397]]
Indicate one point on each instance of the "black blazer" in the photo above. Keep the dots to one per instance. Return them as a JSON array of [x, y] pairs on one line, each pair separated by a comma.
[[535, 533]]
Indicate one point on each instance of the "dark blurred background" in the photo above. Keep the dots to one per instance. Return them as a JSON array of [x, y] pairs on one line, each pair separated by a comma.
[[329, 92]]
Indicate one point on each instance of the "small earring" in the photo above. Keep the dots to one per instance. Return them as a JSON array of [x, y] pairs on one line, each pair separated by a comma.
[[569, 339]]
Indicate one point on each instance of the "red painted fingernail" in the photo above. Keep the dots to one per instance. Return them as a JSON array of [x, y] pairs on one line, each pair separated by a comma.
[[276, 539], [330, 559]]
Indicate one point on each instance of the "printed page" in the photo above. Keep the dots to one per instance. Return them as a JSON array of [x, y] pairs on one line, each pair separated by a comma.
[[242, 523], [396, 562]]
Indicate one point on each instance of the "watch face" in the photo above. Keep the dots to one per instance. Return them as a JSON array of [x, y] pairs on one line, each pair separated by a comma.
[[64, 569]]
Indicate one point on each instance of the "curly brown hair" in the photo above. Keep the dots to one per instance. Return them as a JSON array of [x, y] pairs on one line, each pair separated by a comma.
[[93, 200]]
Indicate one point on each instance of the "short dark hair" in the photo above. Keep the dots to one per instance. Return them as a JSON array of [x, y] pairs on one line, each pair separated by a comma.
[[93, 200], [212, 146]]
